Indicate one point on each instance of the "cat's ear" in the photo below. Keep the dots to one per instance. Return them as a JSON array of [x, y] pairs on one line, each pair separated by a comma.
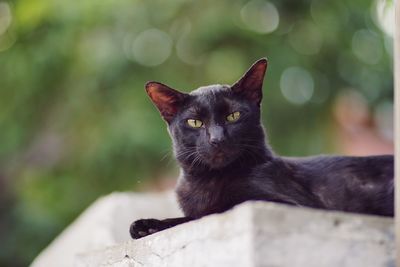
[[250, 85], [166, 99]]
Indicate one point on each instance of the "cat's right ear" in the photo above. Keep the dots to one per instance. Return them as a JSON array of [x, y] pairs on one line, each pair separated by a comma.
[[166, 99]]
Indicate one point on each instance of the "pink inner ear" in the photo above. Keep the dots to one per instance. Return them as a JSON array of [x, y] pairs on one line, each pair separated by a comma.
[[251, 83], [165, 99], [164, 102], [255, 79]]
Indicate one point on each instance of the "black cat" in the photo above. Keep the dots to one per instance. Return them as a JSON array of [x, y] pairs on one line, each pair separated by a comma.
[[220, 145]]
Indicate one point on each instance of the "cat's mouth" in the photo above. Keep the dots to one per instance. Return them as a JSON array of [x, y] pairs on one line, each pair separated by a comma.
[[219, 158]]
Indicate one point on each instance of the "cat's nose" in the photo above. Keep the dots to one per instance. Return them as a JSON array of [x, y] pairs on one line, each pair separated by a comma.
[[215, 141], [216, 135]]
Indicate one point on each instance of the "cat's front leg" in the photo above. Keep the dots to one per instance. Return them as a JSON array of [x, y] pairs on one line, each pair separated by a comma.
[[144, 227]]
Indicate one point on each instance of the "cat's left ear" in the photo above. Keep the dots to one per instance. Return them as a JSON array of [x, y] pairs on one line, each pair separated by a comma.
[[250, 85], [166, 99]]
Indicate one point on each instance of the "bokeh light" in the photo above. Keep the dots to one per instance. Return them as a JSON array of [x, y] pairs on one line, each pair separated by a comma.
[[367, 46], [260, 16], [152, 47], [383, 15], [297, 85], [186, 45], [5, 17]]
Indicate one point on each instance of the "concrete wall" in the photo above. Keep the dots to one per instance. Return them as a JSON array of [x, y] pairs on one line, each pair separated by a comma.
[[252, 234], [105, 223]]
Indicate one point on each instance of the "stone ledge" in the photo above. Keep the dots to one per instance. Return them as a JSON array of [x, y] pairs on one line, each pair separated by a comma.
[[105, 223], [260, 234]]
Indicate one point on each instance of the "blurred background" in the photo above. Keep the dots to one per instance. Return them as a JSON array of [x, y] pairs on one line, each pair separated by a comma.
[[75, 122]]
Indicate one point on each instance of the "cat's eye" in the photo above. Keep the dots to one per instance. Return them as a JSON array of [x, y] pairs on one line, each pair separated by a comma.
[[194, 123], [233, 116]]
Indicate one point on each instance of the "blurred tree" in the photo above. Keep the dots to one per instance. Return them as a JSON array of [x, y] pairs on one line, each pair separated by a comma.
[[75, 122]]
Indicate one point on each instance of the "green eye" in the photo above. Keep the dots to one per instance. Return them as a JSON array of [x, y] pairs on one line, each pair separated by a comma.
[[233, 116], [194, 123]]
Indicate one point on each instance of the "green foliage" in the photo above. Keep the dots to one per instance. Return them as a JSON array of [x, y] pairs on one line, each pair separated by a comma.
[[75, 122]]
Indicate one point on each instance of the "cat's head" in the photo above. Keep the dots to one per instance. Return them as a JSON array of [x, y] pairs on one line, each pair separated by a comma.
[[215, 125]]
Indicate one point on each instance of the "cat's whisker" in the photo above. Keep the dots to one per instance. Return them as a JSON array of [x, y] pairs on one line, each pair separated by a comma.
[[192, 164], [187, 155], [165, 155]]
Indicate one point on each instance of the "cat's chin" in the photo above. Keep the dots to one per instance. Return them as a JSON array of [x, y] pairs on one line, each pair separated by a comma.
[[219, 161], [214, 160], [217, 166], [207, 164]]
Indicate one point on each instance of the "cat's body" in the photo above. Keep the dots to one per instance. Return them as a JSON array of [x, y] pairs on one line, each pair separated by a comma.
[[354, 184], [219, 143]]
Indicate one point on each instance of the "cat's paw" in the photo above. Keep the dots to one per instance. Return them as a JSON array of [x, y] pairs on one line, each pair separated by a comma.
[[144, 227]]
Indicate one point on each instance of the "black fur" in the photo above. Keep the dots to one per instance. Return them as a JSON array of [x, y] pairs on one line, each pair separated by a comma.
[[226, 163]]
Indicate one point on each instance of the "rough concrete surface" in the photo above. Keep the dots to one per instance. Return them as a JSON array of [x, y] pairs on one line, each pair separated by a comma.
[[260, 234], [105, 223]]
